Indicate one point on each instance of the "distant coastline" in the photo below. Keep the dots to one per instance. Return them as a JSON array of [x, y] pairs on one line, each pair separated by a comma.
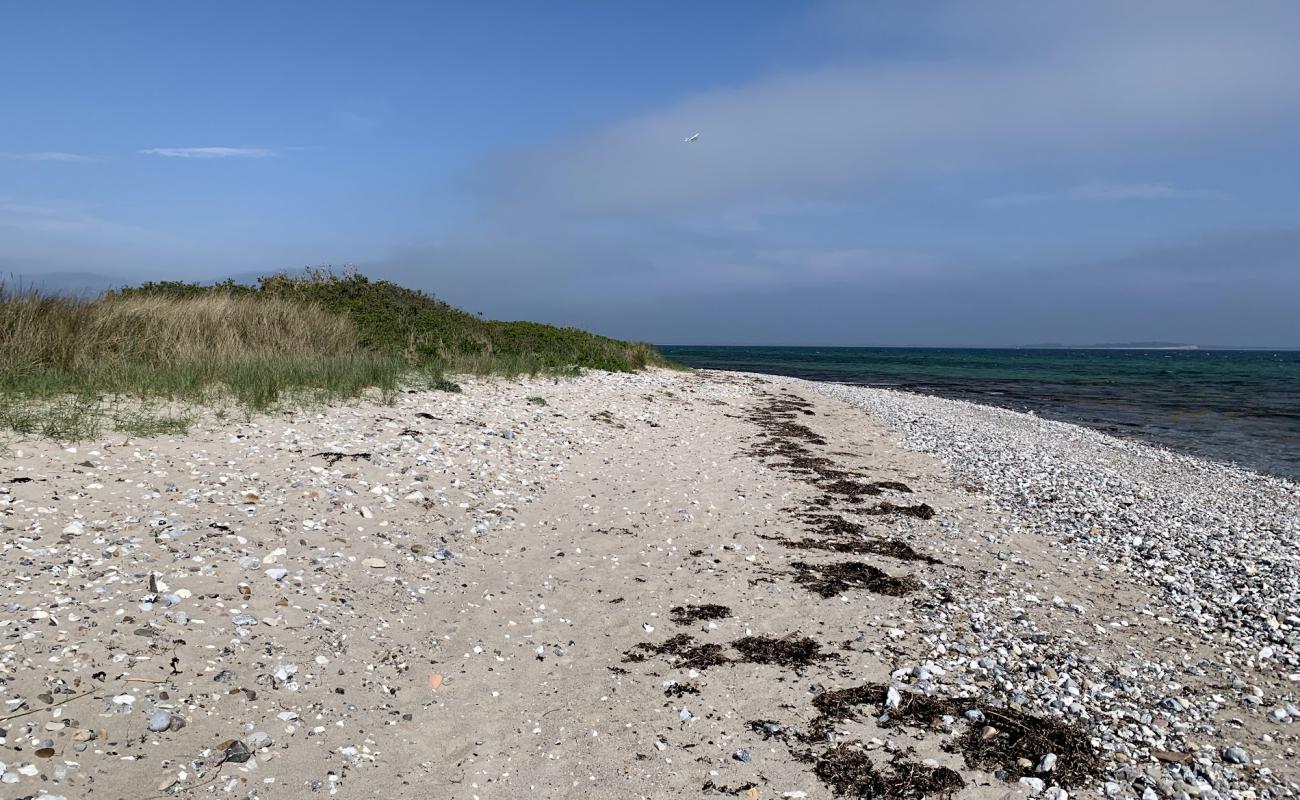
[[1114, 346]]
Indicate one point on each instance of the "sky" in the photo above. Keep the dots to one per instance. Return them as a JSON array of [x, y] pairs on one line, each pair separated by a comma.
[[866, 173]]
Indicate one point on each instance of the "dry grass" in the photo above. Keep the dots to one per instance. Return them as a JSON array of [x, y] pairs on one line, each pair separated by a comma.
[[68, 367], [38, 332]]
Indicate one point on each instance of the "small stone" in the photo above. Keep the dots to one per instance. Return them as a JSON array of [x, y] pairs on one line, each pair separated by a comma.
[[244, 619], [1236, 755], [1047, 763], [374, 563], [258, 740], [742, 756], [160, 721], [277, 573], [892, 699]]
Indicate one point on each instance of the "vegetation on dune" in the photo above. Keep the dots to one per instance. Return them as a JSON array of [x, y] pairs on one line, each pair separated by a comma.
[[425, 331], [136, 358]]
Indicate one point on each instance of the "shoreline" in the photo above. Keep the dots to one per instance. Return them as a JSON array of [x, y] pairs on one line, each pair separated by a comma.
[[1237, 409], [597, 594]]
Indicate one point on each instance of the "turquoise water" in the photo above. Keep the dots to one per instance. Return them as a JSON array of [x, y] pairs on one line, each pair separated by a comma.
[[1231, 405]]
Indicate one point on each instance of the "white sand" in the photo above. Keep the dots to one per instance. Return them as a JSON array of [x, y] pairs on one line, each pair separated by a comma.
[[454, 611]]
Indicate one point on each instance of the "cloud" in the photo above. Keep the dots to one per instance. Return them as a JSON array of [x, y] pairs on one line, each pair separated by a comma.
[[209, 152], [1105, 191], [817, 199], [1169, 81], [49, 155]]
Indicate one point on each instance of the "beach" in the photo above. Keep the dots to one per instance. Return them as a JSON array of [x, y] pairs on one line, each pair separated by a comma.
[[648, 585]]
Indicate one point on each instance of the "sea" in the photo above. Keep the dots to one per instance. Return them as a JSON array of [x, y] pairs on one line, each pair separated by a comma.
[[1235, 406]]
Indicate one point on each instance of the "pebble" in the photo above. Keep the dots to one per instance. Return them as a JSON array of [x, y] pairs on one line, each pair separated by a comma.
[[1032, 785], [1215, 543]]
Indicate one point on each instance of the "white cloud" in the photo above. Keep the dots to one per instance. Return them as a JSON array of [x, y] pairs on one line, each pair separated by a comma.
[[49, 155], [1163, 82], [1142, 191], [209, 152], [1107, 191]]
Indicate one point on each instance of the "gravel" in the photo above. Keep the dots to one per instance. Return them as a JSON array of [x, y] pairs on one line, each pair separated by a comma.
[[1210, 553]]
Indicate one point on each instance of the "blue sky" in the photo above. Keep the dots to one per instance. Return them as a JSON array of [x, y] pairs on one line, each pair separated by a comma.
[[866, 173]]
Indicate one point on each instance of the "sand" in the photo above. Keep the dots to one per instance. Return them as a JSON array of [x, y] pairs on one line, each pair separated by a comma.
[[464, 597]]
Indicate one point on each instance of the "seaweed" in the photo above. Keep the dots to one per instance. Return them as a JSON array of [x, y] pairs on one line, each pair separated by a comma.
[[855, 490], [920, 511], [767, 728], [849, 772], [829, 580], [684, 615], [333, 457], [681, 652], [1015, 742], [710, 787], [1008, 740], [790, 651], [891, 548], [908, 779]]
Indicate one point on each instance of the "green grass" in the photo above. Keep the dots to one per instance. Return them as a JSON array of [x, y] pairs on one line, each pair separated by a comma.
[[71, 368], [424, 330]]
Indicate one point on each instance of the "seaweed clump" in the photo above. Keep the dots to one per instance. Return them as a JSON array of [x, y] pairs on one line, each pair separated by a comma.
[[1007, 740], [1016, 742], [789, 651], [710, 787], [890, 548], [920, 511], [680, 651], [855, 490], [684, 615], [850, 773], [829, 580]]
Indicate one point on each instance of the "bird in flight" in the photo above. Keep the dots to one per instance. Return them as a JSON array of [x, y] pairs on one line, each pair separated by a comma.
[[692, 138]]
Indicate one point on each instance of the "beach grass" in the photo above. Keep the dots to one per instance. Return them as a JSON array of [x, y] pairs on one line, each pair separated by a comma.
[[143, 359]]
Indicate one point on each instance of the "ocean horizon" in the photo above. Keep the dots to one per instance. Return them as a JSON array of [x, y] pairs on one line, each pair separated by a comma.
[[1237, 405]]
